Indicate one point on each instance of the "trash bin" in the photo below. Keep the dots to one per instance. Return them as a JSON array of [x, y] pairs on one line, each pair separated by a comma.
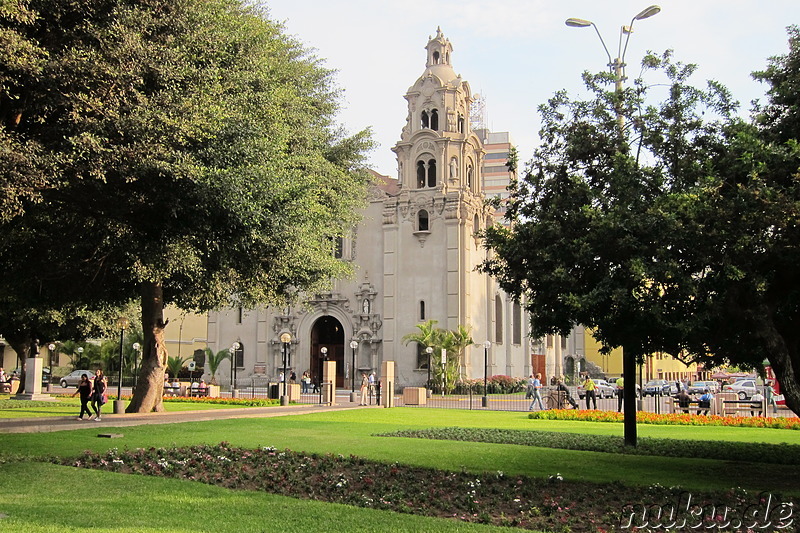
[[274, 393]]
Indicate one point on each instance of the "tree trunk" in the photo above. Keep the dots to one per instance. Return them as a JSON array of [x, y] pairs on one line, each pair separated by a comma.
[[629, 396], [150, 385]]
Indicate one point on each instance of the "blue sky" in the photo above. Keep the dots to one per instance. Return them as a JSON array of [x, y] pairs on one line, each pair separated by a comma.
[[517, 53]]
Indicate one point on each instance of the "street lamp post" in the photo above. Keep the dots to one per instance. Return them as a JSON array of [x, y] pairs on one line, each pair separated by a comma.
[[617, 68], [324, 352], [353, 346], [234, 364], [286, 338], [122, 324], [486, 346], [617, 64], [429, 351], [137, 349], [51, 350]]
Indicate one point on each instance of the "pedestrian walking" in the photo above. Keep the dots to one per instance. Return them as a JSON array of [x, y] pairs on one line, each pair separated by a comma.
[[98, 393], [620, 393], [85, 390], [535, 388]]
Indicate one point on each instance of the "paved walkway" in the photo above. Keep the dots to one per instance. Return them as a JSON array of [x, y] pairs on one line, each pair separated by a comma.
[[61, 423]]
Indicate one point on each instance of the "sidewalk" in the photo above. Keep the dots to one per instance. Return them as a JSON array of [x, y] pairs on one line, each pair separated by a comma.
[[62, 423]]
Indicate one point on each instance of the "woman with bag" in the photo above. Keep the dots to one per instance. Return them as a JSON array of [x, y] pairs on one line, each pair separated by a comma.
[[98, 393]]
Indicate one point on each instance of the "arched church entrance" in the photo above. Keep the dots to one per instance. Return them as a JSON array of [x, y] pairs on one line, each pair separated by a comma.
[[327, 332]]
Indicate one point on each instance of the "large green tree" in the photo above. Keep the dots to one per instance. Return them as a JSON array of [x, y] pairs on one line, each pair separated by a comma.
[[675, 233], [184, 151]]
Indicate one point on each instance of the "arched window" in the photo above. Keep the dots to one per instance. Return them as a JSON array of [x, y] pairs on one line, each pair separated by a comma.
[[432, 173], [469, 176], [517, 318], [239, 315], [422, 309], [435, 120], [460, 123], [498, 320], [475, 224], [422, 220], [424, 119], [436, 58], [420, 174], [338, 247]]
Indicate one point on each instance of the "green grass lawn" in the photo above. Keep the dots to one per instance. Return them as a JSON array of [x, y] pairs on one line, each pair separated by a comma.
[[72, 406], [351, 432]]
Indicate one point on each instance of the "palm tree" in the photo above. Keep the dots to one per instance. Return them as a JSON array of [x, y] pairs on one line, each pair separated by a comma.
[[175, 364], [454, 342], [214, 361]]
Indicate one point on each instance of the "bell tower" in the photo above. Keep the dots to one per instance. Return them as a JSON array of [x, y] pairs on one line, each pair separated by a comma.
[[429, 227]]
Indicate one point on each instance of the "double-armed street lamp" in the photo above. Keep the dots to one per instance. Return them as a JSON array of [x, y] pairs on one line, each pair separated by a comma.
[[616, 65], [122, 324], [286, 338]]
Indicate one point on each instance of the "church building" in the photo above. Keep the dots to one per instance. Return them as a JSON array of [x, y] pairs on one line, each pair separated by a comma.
[[414, 255]]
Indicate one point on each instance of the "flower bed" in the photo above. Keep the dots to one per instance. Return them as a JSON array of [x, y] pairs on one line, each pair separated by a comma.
[[549, 504], [643, 417], [751, 452]]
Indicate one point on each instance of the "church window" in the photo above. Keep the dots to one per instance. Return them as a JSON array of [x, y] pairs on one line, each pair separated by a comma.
[[420, 174], [469, 176], [435, 120], [436, 58], [432, 173], [422, 310], [476, 225], [425, 119], [460, 123], [517, 318], [498, 320], [239, 315], [422, 220], [338, 247]]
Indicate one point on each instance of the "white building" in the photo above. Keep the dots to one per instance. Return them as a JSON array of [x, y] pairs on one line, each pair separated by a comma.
[[414, 256]]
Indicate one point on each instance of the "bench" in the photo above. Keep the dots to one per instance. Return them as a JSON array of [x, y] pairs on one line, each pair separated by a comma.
[[693, 407], [195, 392], [735, 407]]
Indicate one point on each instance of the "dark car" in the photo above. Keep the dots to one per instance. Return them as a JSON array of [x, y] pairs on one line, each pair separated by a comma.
[[45, 375], [659, 387]]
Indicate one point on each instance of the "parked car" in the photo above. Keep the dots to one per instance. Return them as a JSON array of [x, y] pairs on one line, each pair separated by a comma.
[[744, 388], [659, 387], [699, 387], [602, 388], [73, 378], [16, 373]]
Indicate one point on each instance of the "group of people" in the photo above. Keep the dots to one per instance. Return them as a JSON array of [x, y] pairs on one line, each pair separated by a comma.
[[534, 392], [367, 386], [94, 391]]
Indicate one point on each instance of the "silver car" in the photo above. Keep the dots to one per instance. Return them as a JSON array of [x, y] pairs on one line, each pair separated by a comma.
[[73, 378]]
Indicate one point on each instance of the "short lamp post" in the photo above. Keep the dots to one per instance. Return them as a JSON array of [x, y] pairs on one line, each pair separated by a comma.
[[444, 370], [353, 346], [324, 357], [286, 338], [122, 324], [137, 352], [429, 351], [52, 351], [486, 346], [234, 349]]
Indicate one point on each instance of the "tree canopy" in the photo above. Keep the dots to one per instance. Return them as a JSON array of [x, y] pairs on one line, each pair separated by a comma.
[[179, 151], [677, 233]]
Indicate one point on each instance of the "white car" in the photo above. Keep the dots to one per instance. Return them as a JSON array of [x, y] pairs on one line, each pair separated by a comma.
[[602, 389], [744, 388], [73, 378]]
